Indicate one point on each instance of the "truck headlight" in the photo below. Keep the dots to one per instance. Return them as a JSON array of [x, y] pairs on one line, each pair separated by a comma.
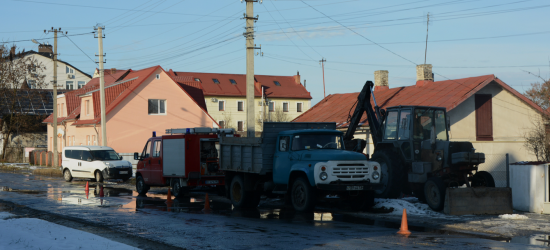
[[375, 175], [323, 176]]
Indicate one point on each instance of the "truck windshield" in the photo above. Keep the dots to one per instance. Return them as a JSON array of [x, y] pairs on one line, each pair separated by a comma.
[[316, 141], [425, 120], [105, 155]]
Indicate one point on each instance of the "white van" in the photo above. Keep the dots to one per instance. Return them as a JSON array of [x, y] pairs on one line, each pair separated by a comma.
[[97, 162]]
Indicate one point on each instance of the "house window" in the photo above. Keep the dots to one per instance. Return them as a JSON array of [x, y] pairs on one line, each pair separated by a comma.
[[222, 124], [157, 107], [240, 106], [93, 140], [240, 126], [484, 117], [271, 106], [81, 84], [73, 141], [277, 83], [62, 110], [158, 76], [68, 70], [215, 81], [285, 106], [233, 81], [87, 140], [221, 105], [69, 85], [31, 84], [299, 107], [197, 79], [87, 107]]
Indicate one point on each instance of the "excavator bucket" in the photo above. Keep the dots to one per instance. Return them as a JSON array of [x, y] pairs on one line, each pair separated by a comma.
[[478, 200]]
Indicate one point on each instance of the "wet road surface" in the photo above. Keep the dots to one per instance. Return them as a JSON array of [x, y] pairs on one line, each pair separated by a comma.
[[183, 224]]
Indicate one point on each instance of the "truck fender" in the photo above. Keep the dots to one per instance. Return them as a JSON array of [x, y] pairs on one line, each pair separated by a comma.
[[301, 170]]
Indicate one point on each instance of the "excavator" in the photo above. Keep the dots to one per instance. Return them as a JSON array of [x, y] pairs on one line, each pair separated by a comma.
[[412, 145]]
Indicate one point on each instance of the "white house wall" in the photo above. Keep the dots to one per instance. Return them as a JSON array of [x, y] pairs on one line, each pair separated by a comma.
[[61, 73]]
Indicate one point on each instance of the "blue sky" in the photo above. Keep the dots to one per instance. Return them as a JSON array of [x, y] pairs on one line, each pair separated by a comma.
[[466, 37]]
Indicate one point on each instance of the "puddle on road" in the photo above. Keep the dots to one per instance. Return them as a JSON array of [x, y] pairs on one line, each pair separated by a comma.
[[536, 239]]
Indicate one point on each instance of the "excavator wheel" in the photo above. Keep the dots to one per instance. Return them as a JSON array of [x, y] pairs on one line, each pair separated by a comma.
[[483, 179], [434, 191], [391, 175]]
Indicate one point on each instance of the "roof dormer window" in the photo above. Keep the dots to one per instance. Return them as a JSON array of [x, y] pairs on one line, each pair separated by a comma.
[[215, 81], [277, 83], [233, 81], [197, 79]]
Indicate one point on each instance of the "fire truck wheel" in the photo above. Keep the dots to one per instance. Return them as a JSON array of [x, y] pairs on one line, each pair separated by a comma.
[[141, 187], [239, 198], [177, 190]]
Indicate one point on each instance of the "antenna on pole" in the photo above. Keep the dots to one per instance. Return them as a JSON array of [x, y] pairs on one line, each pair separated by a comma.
[[427, 26]]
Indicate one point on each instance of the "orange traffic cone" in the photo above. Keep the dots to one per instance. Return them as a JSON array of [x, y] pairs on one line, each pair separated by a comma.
[[404, 230], [87, 187], [169, 196], [206, 204], [101, 191]]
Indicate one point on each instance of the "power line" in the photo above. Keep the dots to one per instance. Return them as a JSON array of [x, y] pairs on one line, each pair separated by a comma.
[[29, 40]]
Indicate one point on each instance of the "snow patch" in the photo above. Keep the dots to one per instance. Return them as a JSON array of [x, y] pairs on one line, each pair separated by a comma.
[[30, 233], [4, 215], [412, 205], [513, 216]]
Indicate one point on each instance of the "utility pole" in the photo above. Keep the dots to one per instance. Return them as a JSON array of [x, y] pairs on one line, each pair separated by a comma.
[[427, 26], [323, 66], [54, 115], [100, 37], [250, 47]]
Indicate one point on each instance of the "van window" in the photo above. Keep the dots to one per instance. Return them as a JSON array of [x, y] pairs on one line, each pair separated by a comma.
[[105, 155], [69, 154], [146, 150], [156, 149], [85, 155]]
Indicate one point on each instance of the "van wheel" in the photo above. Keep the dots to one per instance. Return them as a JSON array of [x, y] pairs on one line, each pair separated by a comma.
[[302, 195], [141, 187], [67, 175], [98, 176]]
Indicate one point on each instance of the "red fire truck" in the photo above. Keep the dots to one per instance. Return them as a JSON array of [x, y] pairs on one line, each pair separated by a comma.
[[182, 159]]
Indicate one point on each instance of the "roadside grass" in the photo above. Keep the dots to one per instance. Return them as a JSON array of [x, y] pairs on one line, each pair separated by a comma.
[[8, 168], [52, 172]]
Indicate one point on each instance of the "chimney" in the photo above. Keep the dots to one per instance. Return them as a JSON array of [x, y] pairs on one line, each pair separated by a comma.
[[381, 80], [424, 74], [297, 78], [45, 48], [113, 71]]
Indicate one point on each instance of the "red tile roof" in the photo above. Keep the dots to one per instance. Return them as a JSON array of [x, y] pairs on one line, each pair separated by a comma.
[[116, 91], [448, 94], [109, 78], [288, 88]]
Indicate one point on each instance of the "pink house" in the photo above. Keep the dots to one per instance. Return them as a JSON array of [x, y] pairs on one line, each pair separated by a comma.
[[137, 103]]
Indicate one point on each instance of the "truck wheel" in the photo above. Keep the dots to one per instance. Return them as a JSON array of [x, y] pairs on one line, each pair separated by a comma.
[[177, 190], [98, 176], [141, 187], [239, 198], [67, 175], [302, 195], [390, 177], [483, 179], [434, 191]]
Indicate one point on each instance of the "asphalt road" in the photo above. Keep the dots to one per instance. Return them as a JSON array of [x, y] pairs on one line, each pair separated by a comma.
[[149, 223]]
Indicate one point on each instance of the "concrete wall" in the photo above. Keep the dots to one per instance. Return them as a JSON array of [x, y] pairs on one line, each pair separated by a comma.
[[231, 109]]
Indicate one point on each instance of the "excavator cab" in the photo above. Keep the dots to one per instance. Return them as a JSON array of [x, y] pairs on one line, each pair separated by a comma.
[[416, 157]]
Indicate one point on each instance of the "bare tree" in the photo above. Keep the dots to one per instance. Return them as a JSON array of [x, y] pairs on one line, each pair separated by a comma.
[[275, 116], [539, 92], [537, 140], [18, 73]]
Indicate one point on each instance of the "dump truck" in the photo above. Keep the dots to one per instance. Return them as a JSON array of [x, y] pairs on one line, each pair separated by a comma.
[[412, 145], [305, 162], [182, 159]]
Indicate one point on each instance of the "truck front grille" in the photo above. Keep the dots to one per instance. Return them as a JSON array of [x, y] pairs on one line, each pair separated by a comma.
[[350, 171]]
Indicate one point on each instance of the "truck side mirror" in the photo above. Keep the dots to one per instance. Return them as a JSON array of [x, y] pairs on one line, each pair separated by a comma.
[[136, 156]]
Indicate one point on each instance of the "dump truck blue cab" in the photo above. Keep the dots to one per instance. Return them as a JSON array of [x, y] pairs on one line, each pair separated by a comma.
[[306, 165]]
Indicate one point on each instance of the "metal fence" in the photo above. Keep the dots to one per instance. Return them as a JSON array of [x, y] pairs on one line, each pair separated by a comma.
[[498, 166]]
